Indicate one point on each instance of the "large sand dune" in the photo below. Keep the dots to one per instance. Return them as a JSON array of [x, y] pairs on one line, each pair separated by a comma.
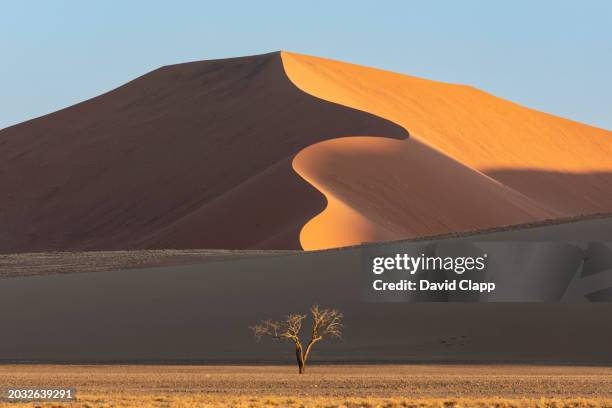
[[209, 154]]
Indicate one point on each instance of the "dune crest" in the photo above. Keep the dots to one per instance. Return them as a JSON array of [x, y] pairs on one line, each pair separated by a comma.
[[496, 140], [469, 125]]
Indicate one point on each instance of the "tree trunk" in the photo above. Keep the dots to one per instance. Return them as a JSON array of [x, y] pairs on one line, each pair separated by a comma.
[[300, 358]]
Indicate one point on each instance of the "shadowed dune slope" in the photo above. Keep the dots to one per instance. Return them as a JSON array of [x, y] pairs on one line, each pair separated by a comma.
[[467, 151], [195, 155]]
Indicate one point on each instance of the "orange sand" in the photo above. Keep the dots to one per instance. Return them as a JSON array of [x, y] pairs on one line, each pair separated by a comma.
[[525, 160], [383, 189]]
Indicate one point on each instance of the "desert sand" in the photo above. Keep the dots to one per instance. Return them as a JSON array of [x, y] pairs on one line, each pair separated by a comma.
[[195, 155], [286, 151], [471, 126], [328, 386], [382, 189], [124, 307], [554, 167]]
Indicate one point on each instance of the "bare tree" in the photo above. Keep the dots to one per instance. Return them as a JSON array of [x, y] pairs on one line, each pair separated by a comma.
[[325, 322]]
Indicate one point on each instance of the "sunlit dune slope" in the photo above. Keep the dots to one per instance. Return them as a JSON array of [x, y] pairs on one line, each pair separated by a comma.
[[473, 127], [557, 167], [383, 189]]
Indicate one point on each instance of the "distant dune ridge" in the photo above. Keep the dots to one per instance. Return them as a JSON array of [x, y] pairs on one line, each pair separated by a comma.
[[286, 151]]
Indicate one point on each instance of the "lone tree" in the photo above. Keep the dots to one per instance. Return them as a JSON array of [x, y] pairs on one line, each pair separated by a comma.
[[325, 322]]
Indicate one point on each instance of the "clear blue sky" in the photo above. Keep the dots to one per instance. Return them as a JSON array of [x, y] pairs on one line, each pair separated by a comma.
[[554, 56]]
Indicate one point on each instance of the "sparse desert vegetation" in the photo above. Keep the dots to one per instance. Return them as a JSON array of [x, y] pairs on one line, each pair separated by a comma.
[[242, 401], [330, 386], [50, 263], [325, 323]]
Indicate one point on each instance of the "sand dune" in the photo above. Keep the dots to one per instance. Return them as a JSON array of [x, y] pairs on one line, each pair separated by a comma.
[[525, 164], [194, 155], [382, 189], [285, 151]]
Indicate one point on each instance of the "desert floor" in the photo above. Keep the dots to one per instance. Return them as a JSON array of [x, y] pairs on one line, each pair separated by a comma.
[[322, 385]]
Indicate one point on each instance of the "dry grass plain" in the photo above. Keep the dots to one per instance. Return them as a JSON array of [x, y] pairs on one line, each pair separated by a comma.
[[388, 386]]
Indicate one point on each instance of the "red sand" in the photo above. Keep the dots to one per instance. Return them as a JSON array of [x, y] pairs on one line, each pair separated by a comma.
[[194, 155], [207, 155]]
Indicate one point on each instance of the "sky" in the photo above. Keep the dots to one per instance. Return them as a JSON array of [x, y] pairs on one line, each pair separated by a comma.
[[554, 56]]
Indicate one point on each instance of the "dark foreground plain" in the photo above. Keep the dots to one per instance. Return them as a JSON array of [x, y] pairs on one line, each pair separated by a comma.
[[321, 386], [195, 306]]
